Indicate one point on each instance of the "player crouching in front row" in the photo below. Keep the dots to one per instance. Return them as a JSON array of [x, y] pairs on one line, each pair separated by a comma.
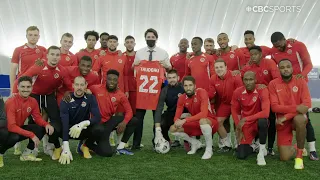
[[201, 122], [250, 110]]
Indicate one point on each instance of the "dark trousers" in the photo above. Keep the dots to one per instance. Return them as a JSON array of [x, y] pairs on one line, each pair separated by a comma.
[[244, 150], [49, 104], [9, 139], [140, 113], [100, 133], [166, 123]]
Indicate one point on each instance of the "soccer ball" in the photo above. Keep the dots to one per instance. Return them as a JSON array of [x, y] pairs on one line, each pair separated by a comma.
[[162, 146]]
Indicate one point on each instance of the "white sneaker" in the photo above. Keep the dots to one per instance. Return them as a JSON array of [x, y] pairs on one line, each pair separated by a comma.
[[265, 152], [207, 154], [195, 146], [260, 160]]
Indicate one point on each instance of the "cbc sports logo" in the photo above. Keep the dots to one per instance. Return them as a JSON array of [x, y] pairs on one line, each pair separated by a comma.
[[272, 9]]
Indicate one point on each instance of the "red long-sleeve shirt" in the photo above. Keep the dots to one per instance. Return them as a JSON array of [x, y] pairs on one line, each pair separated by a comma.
[[178, 62], [201, 68], [298, 55], [109, 101], [224, 87], [250, 105], [129, 71], [266, 71], [266, 51], [112, 61], [68, 59], [93, 54], [198, 106], [235, 60], [18, 109], [26, 56], [47, 79], [285, 97]]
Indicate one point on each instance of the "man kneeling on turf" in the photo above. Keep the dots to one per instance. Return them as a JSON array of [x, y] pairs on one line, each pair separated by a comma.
[[250, 107], [201, 122], [18, 109], [290, 99], [76, 122]]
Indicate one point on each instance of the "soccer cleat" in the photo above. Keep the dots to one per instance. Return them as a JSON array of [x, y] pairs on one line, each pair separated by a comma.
[[78, 150], [207, 154], [176, 143], [298, 163], [313, 156], [29, 157], [85, 151], [1, 161], [56, 153], [271, 152], [224, 149], [17, 149], [124, 152], [260, 159], [195, 146]]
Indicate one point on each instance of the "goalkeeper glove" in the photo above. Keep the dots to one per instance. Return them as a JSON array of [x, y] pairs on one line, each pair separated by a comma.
[[66, 155], [76, 129], [158, 135]]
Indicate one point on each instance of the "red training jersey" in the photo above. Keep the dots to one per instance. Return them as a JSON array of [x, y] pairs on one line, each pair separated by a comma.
[[286, 96], [252, 105], [68, 59], [149, 77], [298, 55], [235, 60], [201, 68], [266, 51], [18, 109], [109, 101], [112, 61], [222, 87], [266, 71], [26, 56], [93, 54], [178, 62], [198, 106]]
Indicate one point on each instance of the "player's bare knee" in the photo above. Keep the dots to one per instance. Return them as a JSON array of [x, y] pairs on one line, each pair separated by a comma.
[[300, 120]]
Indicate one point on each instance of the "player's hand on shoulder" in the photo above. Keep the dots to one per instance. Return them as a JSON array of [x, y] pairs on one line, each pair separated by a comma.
[[66, 97], [234, 47], [102, 53], [235, 72], [299, 76], [261, 86]]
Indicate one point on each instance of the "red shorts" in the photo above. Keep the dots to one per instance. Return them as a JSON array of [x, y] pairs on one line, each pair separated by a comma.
[[250, 131], [223, 110], [133, 100], [193, 128], [284, 133]]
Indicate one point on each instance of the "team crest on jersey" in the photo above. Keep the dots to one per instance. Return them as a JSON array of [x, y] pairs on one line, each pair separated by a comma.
[[254, 99], [83, 104], [120, 61], [96, 56], [265, 72], [295, 89], [67, 58], [56, 75], [113, 99], [195, 100], [289, 51], [231, 56], [29, 109], [202, 59], [37, 51]]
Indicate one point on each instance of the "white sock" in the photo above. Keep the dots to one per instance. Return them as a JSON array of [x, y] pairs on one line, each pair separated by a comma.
[[225, 141], [158, 128], [121, 145], [185, 137], [229, 138], [207, 133], [312, 146], [261, 148]]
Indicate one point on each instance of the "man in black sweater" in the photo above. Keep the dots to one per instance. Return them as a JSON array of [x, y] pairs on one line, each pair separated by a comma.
[[168, 95]]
